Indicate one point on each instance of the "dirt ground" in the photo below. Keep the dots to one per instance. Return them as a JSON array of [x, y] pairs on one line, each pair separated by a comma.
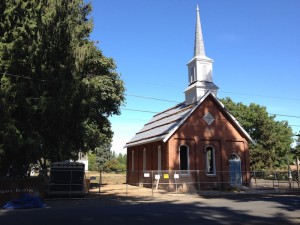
[[115, 185]]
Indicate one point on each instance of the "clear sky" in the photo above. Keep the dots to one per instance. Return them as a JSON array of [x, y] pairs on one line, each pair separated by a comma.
[[255, 46]]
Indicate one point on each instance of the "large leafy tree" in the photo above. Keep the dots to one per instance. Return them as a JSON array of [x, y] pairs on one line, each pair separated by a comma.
[[57, 89], [273, 138], [296, 150]]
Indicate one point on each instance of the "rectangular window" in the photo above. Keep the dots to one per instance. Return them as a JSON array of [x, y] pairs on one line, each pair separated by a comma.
[[144, 160], [159, 159], [132, 160], [184, 159], [210, 161]]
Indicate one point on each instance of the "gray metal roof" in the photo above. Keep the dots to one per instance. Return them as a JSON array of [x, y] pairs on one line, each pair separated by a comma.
[[161, 124], [164, 124]]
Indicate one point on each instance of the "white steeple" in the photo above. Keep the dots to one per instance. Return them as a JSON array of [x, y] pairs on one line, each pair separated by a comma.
[[199, 44], [199, 69]]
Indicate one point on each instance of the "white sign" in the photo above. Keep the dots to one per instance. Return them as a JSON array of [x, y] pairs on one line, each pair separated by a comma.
[[176, 176], [146, 174], [157, 177]]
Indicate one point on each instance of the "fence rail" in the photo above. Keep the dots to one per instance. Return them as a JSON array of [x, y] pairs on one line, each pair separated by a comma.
[[155, 183]]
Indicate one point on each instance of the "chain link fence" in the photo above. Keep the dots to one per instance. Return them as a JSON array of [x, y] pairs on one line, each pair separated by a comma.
[[157, 183]]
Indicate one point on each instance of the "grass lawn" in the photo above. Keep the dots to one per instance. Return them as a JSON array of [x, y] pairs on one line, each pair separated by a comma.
[[108, 178]]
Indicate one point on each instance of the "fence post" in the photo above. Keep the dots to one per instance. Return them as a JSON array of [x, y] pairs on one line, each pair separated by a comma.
[[198, 181], [274, 180], [254, 173], [152, 181], [298, 178], [290, 178], [100, 182], [175, 177]]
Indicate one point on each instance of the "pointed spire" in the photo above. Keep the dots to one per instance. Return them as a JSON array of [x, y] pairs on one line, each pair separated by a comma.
[[199, 43]]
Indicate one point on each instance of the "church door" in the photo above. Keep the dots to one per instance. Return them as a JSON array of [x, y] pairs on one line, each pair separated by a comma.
[[235, 172]]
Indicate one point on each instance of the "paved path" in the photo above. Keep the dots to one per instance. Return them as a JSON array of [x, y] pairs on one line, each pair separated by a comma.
[[268, 209]]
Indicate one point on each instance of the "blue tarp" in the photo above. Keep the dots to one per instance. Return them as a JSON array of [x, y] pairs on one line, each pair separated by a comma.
[[25, 202]]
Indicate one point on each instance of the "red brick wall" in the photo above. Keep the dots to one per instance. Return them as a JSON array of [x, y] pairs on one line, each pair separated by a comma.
[[221, 134], [137, 175], [195, 133]]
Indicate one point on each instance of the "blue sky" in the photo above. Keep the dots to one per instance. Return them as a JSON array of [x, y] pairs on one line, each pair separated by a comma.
[[255, 46]]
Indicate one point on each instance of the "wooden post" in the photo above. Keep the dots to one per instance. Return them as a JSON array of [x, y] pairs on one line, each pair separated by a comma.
[[297, 162]]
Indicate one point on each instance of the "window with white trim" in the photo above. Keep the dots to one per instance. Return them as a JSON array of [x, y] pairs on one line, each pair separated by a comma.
[[184, 159], [210, 161]]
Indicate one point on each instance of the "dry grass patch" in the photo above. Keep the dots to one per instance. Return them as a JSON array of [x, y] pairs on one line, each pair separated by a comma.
[[108, 178]]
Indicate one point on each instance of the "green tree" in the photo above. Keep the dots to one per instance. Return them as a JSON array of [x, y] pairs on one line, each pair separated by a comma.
[[103, 155], [57, 89], [116, 163], [273, 138], [296, 150], [92, 162], [122, 159]]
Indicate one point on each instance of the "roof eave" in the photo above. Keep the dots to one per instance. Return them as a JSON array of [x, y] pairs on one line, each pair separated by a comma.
[[146, 141]]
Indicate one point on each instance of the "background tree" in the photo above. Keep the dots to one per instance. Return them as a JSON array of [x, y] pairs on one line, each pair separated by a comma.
[[103, 155], [297, 147], [112, 164], [57, 89], [296, 153], [273, 138]]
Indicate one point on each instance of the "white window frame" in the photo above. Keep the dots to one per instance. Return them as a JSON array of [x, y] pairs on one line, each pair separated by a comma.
[[208, 163]]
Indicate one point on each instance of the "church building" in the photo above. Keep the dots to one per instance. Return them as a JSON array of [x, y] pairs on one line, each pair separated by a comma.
[[197, 140]]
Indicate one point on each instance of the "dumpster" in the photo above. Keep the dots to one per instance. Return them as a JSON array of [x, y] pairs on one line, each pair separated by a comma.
[[66, 179]]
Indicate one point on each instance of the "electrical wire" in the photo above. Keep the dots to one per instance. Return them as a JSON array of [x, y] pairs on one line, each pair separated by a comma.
[[166, 100]]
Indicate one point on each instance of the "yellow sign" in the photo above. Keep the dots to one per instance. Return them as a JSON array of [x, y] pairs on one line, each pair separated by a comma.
[[166, 176]]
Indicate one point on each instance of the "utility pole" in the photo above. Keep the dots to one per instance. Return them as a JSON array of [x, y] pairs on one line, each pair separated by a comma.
[[297, 164]]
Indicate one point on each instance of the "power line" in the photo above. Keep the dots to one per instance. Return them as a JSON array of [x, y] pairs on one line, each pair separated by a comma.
[[230, 92], [21, 76], [138, 110], [284, 115], [166, 100], [265, 96], [158, 99], [165, 85], [139, 96], [145, 111]]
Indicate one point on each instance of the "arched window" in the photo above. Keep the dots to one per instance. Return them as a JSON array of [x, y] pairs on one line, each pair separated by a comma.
[[184, 158], [144, 159], [210, 161], [235, 170]]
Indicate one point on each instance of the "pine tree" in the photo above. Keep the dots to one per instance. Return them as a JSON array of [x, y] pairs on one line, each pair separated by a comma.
[[57, 89]]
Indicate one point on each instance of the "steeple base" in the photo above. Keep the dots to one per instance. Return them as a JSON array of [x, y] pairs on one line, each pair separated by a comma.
[[197, 90]]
